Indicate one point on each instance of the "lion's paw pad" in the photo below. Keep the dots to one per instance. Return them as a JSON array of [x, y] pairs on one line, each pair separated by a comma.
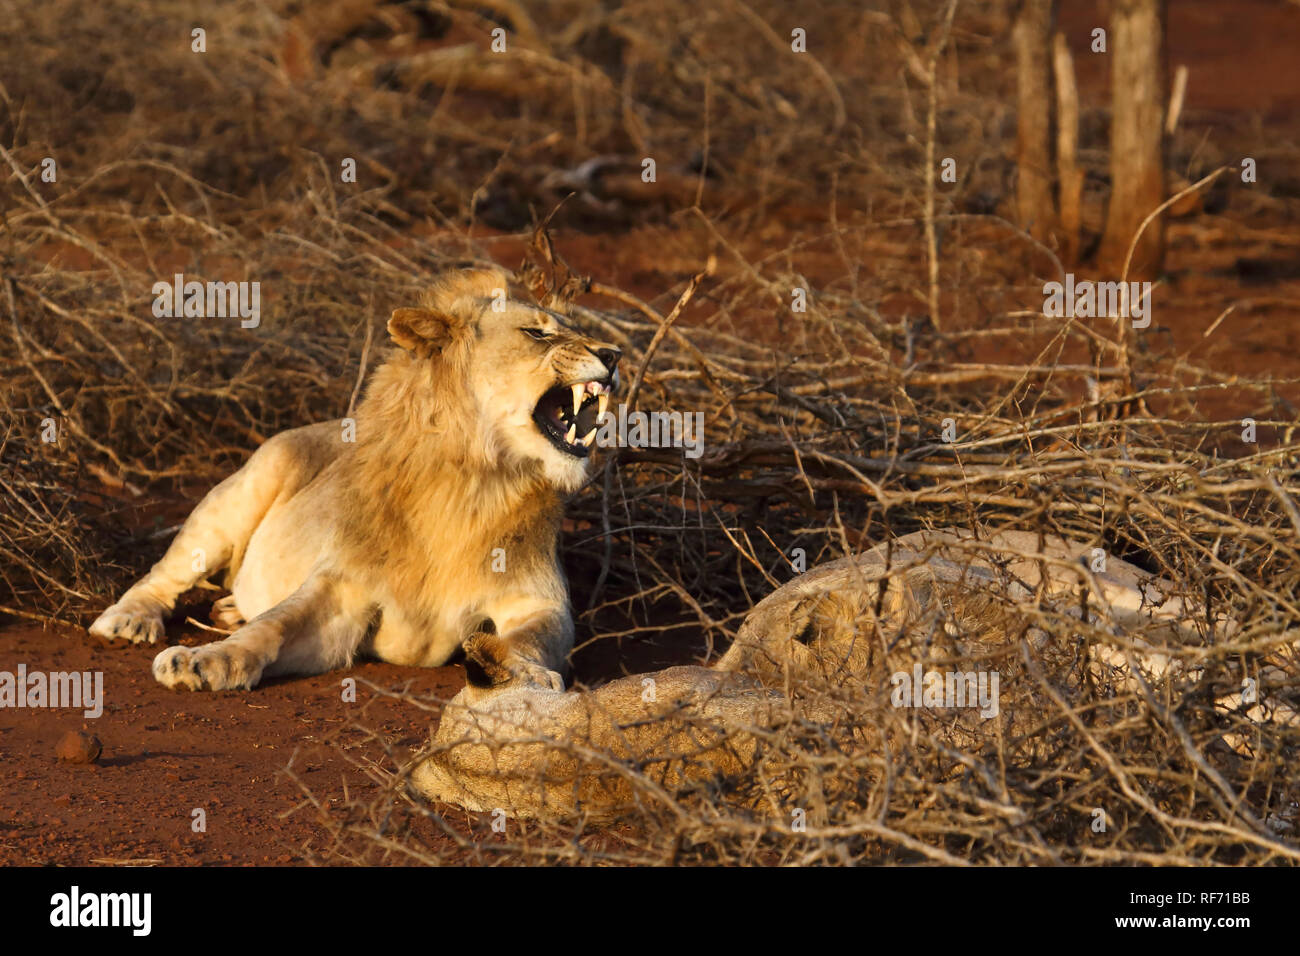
[[135, 622], [209, 667]]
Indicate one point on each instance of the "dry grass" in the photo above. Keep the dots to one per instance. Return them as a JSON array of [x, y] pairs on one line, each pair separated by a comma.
[[823, 428]]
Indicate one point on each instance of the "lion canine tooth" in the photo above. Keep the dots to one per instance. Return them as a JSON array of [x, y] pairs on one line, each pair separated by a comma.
[[573, 430], [604, 404], [589, 438], [578, 391]]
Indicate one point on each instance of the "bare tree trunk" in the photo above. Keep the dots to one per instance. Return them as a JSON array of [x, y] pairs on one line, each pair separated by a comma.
[[1137, 140], [1069, 175], [932, 88], [1035, 205]]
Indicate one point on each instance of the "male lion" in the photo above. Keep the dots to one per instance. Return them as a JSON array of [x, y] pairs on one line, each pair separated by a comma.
[[469, 434]]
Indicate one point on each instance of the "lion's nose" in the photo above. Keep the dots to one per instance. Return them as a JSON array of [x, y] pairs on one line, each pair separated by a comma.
[[609, 356]]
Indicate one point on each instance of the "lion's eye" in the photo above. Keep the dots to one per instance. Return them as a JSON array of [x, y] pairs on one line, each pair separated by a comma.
[[540, 334]]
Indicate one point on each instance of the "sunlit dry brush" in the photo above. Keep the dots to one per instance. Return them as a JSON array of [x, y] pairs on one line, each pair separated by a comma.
[[1035, 641]]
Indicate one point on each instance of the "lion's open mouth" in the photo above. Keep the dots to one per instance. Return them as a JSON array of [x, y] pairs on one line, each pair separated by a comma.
[[569, 415]]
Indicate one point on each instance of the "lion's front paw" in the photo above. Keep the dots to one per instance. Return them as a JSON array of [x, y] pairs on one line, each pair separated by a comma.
[[216, 666], [131, 620], [491, 663]]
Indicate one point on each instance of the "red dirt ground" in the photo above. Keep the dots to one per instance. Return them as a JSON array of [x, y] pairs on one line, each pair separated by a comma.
[[167, 753]]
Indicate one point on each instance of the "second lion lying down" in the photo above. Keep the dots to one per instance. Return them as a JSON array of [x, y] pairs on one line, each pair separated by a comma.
[[435, 529], [828, 656]]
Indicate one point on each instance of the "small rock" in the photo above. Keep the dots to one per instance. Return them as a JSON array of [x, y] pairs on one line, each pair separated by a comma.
[[78, 747]]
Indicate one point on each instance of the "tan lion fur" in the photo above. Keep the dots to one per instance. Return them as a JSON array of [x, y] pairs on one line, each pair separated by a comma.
[[943, 599], [388, 545]]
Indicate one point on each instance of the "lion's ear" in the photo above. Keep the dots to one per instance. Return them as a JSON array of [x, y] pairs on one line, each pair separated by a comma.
[[421, 330], [448, 307]]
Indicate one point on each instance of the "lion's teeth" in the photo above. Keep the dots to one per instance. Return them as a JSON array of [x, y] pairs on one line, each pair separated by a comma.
[[573, 431], [604, 404], [589, 438], [578, 392]]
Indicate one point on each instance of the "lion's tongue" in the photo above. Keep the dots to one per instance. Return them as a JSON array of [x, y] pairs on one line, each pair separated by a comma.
[[586, 418]]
